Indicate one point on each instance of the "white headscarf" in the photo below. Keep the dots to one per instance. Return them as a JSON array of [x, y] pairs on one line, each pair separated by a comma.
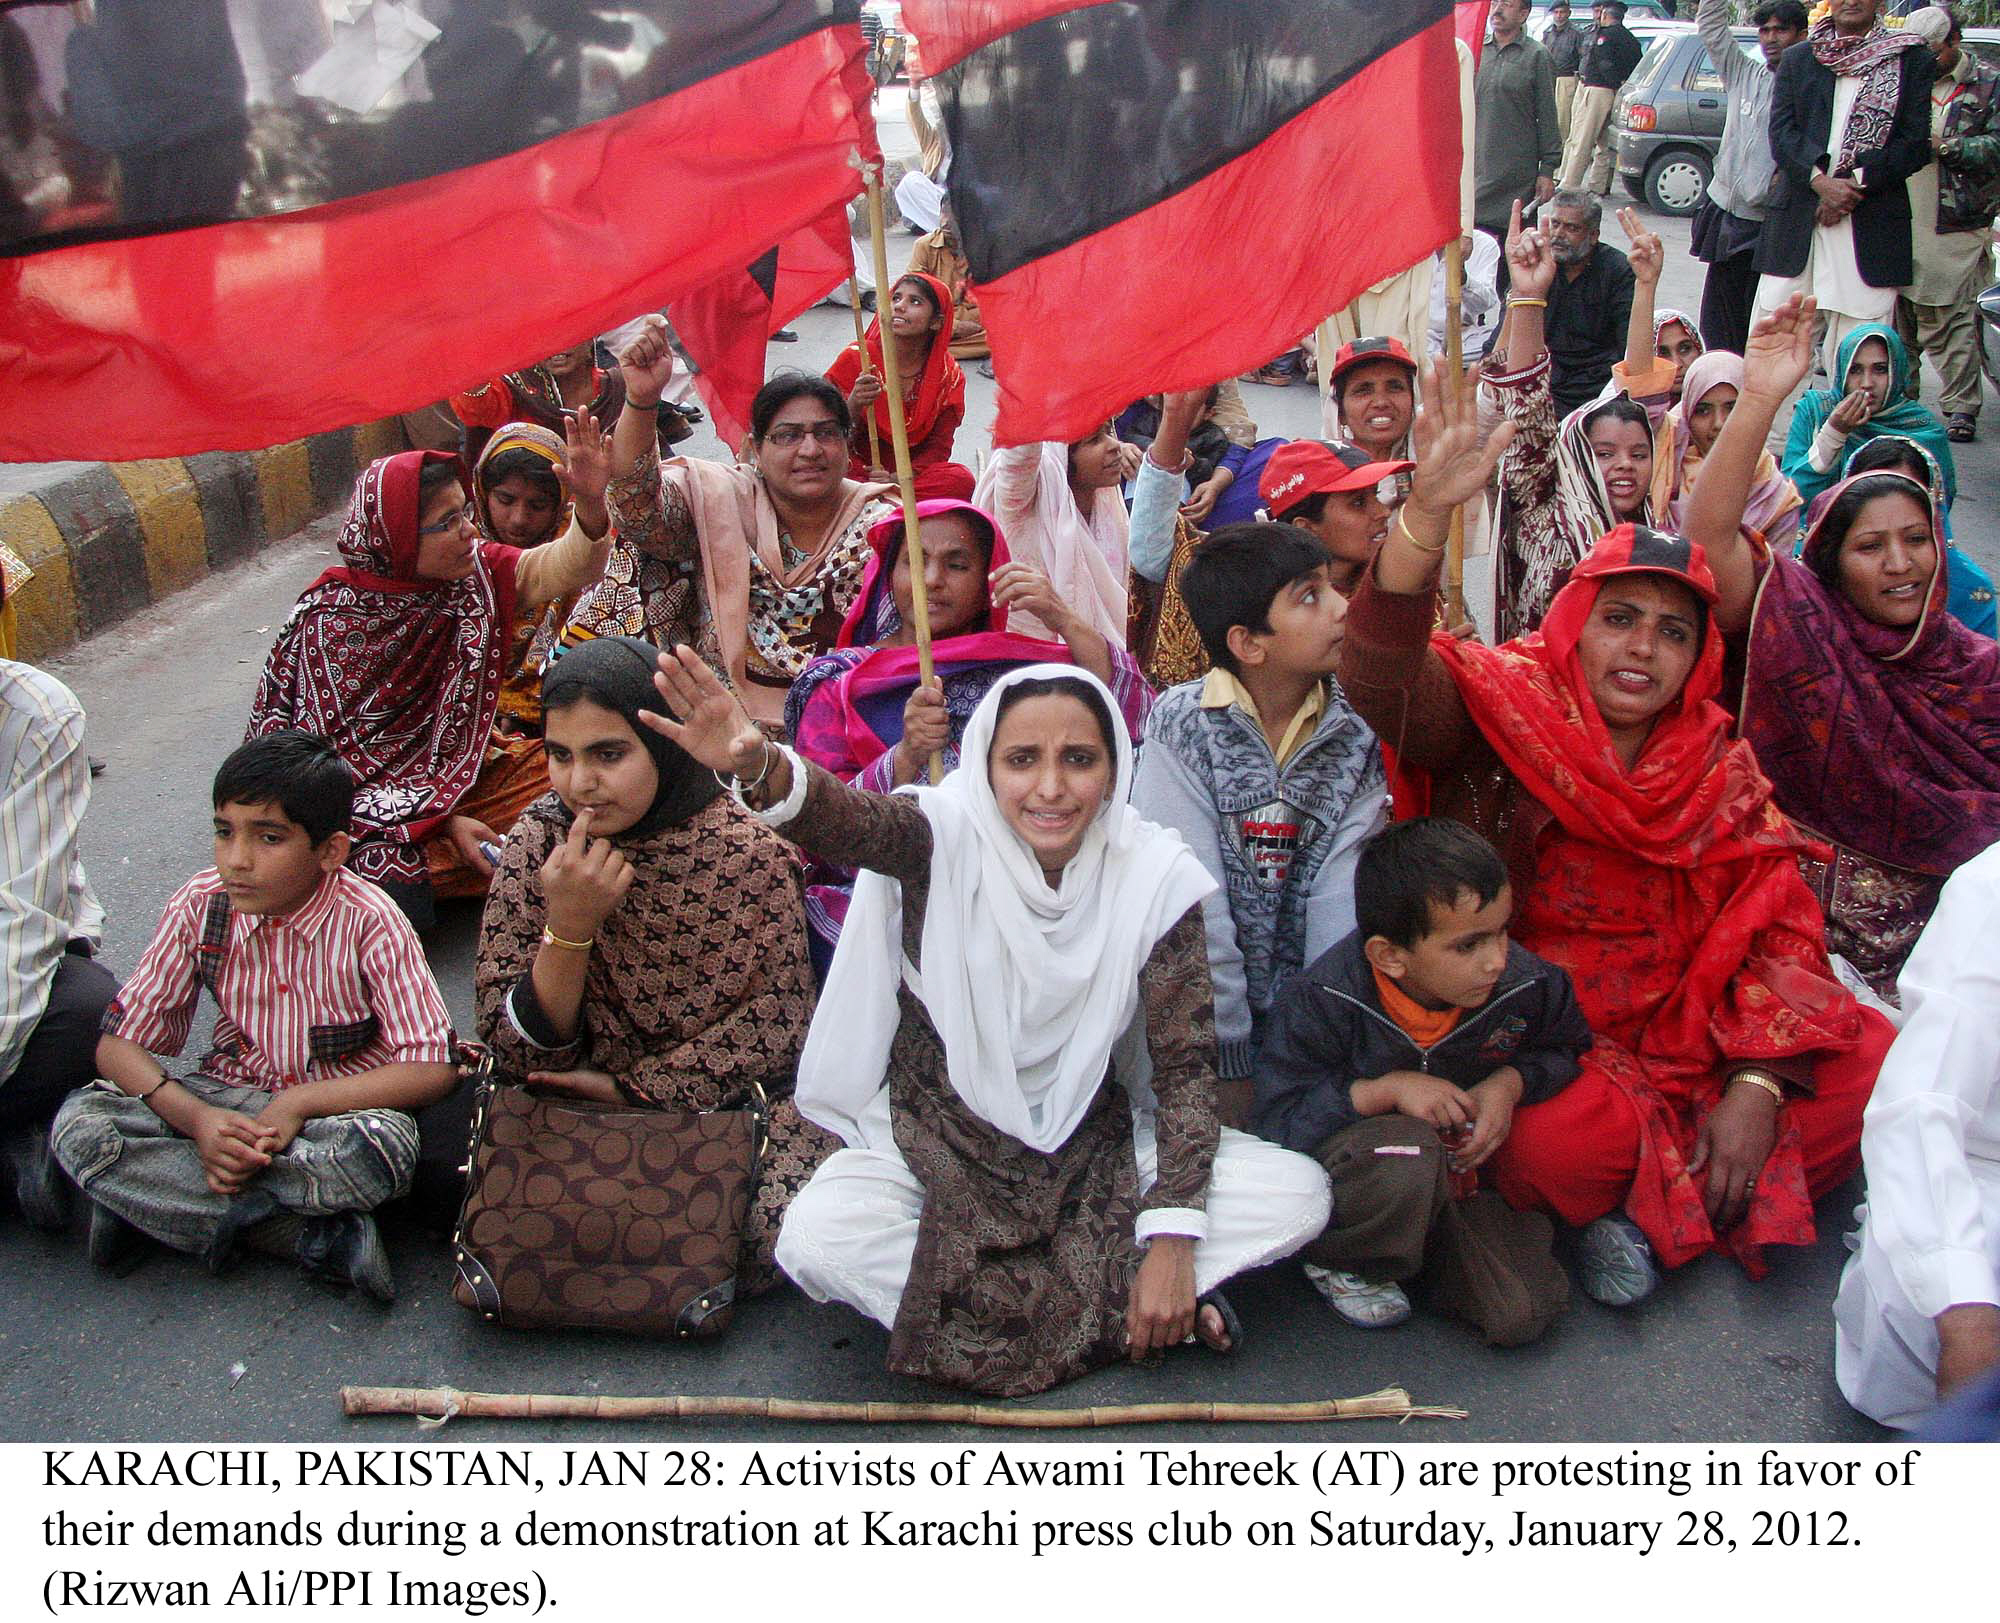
[[1084, 554], [1031, 988]]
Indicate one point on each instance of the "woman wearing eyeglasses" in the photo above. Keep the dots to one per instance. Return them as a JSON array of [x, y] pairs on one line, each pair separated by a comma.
[[756, 564], [397, 655]]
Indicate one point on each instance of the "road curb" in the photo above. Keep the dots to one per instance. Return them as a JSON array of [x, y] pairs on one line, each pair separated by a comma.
[[114, 537]]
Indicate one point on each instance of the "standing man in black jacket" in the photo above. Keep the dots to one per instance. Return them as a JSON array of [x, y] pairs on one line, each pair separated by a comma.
[[1850, 123], [1608, 61], [1564, 42]]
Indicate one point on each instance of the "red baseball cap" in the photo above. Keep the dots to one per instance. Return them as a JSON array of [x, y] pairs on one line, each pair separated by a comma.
[[1363, 350], [1306, 468]]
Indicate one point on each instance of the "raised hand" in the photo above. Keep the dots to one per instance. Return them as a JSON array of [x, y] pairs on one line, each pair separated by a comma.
[[647, 365], [715, 729], [586, 458], [583, 881], [1778, 354], [1452, 465], [1647, 256], [1531, 263]]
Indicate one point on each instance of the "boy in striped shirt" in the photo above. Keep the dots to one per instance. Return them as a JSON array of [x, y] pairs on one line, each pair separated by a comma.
[[330, 1034]]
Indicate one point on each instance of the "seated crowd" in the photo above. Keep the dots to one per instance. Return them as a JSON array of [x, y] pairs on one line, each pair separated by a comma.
[[1218, 898]]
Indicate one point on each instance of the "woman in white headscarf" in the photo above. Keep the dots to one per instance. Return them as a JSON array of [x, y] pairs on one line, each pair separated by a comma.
[[1020, 941]]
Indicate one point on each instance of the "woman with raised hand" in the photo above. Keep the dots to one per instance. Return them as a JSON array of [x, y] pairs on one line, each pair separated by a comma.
[[1019, 1200], [1725, 1089], [643, 942], [1568, 480], [399, 653], [1874, 712]]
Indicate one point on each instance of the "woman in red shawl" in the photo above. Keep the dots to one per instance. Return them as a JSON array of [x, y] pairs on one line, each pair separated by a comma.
[[396, 656], [920, 310], [1876, 714], [1725, 1089]]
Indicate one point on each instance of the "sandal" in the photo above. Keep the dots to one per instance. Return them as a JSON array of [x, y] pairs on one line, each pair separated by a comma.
[[1232, 1326], [1961, 428]]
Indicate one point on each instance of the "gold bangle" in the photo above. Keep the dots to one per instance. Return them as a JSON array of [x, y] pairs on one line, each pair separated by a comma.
[[1757, 1079], [551, 939], [1527, 304], [1403, 524]]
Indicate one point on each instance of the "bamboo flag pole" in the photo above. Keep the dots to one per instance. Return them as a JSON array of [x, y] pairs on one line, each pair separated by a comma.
[[437, 1404], [1323, 358], [1454, 349], [861, 343], [892, 388]]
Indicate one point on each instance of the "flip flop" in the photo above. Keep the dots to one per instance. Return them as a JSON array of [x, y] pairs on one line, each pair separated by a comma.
[[1962, 428], [1232, 1326]]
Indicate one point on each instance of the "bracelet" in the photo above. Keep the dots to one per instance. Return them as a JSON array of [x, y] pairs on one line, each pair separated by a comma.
[[155, 1088], [1187, 461], [1403, 524], [644, 405], [551, 939], [736, 785], [1527, 304], [1757, 1079]]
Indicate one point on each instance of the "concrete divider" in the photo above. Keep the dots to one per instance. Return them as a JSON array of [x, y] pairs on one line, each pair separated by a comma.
[[105, 539]]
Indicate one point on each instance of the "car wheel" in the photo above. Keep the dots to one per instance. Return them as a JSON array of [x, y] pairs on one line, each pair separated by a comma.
[[1676, 179]]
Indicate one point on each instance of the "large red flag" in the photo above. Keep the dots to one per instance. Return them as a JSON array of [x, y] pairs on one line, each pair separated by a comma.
[[1470, 23], [1161, 193], [726, 324], [253, 223]]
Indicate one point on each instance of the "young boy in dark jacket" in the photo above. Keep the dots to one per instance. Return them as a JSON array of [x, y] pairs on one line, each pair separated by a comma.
[[1398, 1057]]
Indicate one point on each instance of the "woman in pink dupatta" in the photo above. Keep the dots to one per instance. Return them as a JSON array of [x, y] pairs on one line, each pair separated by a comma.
[[847, 712], [1709, 389]]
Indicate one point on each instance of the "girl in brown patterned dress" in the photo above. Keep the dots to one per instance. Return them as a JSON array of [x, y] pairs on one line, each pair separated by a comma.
[[645, 939], [1019, 942]]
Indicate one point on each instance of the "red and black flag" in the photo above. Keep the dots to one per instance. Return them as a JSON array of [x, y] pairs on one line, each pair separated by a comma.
[[726, 325], [223, 225], [1158, 193]]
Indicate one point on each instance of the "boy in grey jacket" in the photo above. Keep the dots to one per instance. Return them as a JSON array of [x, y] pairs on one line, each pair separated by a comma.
[[1266, 771]]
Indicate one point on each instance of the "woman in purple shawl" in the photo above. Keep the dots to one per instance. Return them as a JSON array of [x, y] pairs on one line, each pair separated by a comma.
[[858, 711], [1874, 713]]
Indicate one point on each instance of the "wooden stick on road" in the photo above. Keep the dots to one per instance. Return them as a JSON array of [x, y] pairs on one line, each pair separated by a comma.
[[861, 343], [439, 1404], [892, 390]]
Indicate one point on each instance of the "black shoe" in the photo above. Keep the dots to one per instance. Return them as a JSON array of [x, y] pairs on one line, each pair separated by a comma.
[[97, 765], [245, 1212], [346, 1249], [868, 301], [41, 1192], [784, 335], [113, 1244]]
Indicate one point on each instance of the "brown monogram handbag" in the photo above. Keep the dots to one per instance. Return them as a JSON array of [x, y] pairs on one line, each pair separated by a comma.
[[604, 1216]]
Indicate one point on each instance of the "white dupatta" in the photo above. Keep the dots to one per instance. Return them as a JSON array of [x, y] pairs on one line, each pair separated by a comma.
[[1030, 988], [1084, 554]]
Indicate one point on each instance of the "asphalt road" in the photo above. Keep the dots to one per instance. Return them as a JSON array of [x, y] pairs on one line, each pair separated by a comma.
[[169, 1354]]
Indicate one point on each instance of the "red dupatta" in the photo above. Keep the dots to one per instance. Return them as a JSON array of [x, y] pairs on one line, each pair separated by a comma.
[[400, 674], [942, 382], [1670, 893]]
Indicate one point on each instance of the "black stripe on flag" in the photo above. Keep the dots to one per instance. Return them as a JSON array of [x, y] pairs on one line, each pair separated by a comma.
[[179, 114], [1075, 122]]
